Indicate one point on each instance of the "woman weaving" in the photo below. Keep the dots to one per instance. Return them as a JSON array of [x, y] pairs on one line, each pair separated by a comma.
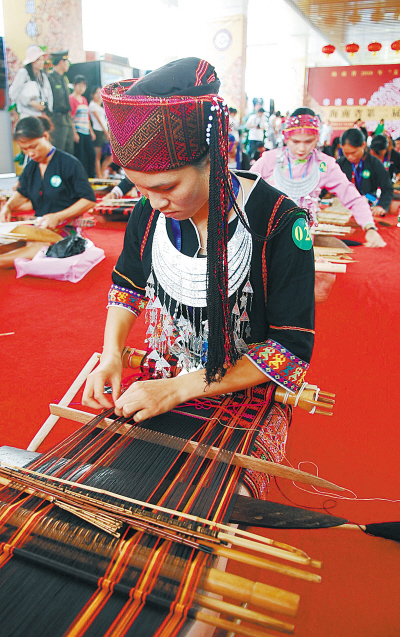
[[53, 181], [213, 257]]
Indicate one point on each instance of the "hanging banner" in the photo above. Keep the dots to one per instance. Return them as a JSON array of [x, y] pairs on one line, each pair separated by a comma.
[[345, 94]]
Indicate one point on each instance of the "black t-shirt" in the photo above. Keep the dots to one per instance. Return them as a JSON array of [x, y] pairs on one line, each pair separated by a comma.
[[374, 176], [64, 183]]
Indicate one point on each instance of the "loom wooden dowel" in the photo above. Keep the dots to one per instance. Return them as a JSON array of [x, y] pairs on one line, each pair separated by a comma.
[[266, 549], [242, 613], [269, 565], [328, 401], [65, 400], [330, 267], [241, 460], [227, 625], [261, 595], [323, 413], [325, 393]]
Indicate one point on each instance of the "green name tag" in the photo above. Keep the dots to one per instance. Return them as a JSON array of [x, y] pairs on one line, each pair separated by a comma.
[[55, 181], [301, 235], [366, 174]]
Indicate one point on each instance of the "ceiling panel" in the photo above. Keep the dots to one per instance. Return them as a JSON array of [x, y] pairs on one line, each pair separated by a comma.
[[361, 21]]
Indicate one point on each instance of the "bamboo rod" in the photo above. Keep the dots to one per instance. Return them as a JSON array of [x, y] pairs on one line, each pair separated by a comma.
[[17, 473], [306, 401], [224, 624], [242, 614], [65, 400], [330, 267], [237, 459], [269, 565]]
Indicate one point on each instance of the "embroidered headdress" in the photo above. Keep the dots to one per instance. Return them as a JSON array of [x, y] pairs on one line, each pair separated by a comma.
[[160, 122], [169, 119], [303, 123]]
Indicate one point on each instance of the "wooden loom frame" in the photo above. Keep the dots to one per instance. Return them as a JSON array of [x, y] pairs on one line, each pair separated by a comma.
[[62, 409]]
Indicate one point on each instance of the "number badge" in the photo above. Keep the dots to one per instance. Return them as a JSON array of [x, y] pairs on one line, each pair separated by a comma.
[[301, 235]]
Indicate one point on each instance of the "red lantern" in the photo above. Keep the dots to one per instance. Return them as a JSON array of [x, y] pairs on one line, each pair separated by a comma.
[[328, 49], [352, 48], [395, 46], [374, 47]]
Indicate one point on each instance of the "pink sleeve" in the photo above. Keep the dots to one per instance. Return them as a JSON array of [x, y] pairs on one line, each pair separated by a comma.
[[336, 182], [265, 166], [74, 105]]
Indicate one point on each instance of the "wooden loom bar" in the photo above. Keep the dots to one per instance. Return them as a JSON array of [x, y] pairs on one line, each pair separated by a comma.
[[65, 400], [257, 543], [240, 460]]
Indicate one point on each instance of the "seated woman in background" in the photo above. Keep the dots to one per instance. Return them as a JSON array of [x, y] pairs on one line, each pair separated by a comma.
[[366, 172], [53, 181], [382, 148], [301, 172]]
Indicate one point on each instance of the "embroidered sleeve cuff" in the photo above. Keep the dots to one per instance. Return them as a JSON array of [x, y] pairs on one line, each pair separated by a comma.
[[280, 365], [127, 299]]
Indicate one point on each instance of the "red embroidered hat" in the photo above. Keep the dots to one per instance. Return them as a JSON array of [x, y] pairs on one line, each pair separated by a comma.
[[301, 124], [161, 121]]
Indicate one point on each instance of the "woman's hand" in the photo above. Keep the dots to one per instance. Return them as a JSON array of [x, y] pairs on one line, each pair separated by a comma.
[[49, 221], [76, 137], [374, 239], [149, 398], [108, 371], [109, 197], [38, 105], [93, 135], [5, 214], [378, 211]]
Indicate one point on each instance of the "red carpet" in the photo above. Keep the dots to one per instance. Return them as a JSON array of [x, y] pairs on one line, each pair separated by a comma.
[[59, 325]]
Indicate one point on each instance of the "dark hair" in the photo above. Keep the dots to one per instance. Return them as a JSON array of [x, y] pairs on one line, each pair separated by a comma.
[[353, 136], [31, 74], [31, 127], [78, 79], [379, 143], [93, 89], [303, 111], [232, 110], [278, 113], [261, 109], [397, 139]]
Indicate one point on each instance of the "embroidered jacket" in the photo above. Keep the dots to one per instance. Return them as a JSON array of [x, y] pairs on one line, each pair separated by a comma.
[[282, 277]]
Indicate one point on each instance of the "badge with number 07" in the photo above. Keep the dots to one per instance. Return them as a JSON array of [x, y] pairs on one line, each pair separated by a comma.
[[301, 235]]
